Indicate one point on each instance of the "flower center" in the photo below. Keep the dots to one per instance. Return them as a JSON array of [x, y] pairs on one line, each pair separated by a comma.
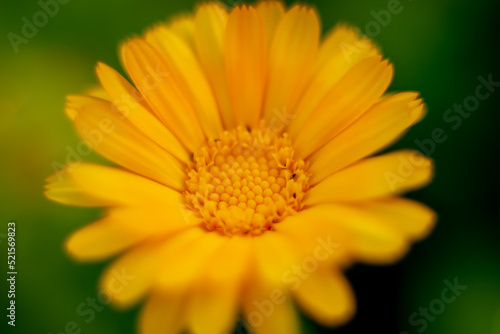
[[245, 182]]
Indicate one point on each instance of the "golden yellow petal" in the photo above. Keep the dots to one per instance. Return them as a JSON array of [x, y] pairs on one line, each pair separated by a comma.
[[117, 139], [163, 313], [275, 254], [413, 219], [210, 28], [183, 26], [213, 310], [269, 310], [348, 99], [369, 240], [245, 57], [132, 105], [214, 302], [126, 226], [189, 76], [130, 277], [271, 13], [291, 60], [197, 248], [327, 297], [97, 91], [154, 78], [319, 237], [377, 128], [341, 48], [389, 174], [162, 218], [332, 64], [74, 104], [106, 186], [61, 188], [101, 239]]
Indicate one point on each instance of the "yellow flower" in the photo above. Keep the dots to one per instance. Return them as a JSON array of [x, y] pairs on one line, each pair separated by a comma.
[[245, 185]]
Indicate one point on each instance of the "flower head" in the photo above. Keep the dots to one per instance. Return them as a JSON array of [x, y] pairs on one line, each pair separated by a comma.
[[245, 180]]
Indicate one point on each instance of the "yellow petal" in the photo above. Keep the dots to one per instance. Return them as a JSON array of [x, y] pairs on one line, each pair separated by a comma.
[[129, 278], [269, 310], [210, 28], [331, 65], [291, 60], [131, 104], [74, 104], [106, 186], [327, 297], [197, 248], [162, 218], [319, 237], [71, 112], [101, 240], [213, 310], [381, 176], [352, 95], [370, 241], [162, 313], [121, 142], [271, 13], [411, 218], [378, 127], [97, 91], [61, 188], [245, 63], [215, 301], [275, 254], [184, 28], [153, 77], [189, 76], [342, 47], [125, 226]]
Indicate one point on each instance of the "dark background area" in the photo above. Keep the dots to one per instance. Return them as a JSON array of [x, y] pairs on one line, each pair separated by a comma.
[[439, 48]]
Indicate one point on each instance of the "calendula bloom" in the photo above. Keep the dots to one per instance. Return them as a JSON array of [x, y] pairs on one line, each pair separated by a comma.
[[246, 180]]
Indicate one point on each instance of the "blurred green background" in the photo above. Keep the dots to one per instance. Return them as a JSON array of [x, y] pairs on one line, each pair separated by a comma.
[[439, 48]]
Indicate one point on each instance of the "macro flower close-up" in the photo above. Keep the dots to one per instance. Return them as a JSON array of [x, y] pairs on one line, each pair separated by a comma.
[[249, 167], [246, 180]]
